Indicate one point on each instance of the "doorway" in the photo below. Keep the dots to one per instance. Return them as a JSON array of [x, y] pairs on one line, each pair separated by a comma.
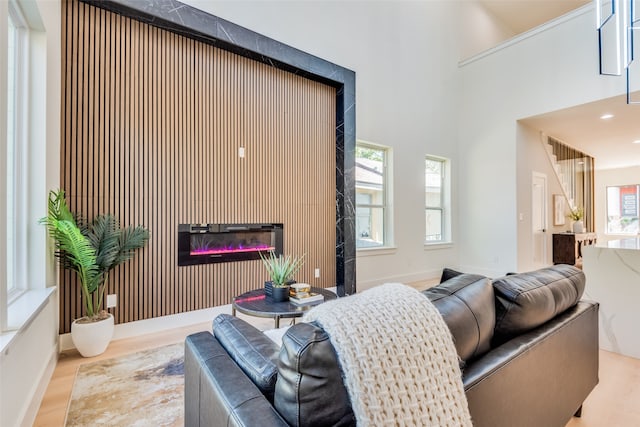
[[539, 219]]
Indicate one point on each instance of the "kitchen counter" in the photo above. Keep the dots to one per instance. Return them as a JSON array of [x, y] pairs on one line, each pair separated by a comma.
[[613, 279]]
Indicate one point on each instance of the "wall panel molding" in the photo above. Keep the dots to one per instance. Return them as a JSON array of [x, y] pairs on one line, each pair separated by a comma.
[[151, 126]]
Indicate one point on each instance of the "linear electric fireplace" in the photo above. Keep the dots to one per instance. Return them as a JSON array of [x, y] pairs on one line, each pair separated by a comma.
[[213, 243]]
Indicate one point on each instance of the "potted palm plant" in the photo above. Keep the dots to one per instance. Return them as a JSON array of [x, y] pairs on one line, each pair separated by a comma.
[[281, 270], [92, 250]]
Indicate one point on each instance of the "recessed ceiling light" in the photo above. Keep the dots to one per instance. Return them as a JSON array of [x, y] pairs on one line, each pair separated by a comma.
[[606, 116]]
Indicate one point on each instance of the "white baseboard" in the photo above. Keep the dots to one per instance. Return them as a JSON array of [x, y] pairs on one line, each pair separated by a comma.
[[403, 278], [157, 324]]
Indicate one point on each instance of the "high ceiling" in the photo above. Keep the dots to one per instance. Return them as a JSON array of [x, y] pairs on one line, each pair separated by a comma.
[[523, 15], [610, 141]]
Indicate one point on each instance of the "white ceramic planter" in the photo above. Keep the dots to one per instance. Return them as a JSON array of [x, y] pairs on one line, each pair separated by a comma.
[[578, 227], [92, 339]]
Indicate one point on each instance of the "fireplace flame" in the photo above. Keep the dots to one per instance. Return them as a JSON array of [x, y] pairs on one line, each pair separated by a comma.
[[222, 251]]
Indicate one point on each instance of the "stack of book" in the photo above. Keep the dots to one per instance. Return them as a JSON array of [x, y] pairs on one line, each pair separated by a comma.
[[311, 298]]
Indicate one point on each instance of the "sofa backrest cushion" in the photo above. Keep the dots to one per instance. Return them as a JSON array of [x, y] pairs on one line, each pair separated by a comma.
[[310, 389], [466, 303], [525, 301], [253, 351]]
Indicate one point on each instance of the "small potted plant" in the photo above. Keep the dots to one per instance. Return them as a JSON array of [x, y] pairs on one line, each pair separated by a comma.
[[576, 214], [281, 270], [92, 250]]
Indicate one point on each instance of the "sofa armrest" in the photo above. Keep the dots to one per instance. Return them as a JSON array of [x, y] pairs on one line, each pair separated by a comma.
[[540, 377], [217, 392]]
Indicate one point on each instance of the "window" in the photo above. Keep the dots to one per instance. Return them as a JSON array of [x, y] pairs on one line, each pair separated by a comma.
[[371, 196], [623, 209], [23, 166], [16, 147], [436, 200]]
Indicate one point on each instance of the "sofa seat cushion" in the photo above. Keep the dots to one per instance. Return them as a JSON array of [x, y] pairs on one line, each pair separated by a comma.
[[466, 303], [254, 352], [310, 389], [525, 301]]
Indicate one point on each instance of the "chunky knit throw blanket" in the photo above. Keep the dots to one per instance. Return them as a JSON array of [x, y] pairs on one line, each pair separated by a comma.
[[398, 358]]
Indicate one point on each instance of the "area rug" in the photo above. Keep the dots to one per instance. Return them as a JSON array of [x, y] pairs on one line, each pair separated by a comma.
[[141, 389]]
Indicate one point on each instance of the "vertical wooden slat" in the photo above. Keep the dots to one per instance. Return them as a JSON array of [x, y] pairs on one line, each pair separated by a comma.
[[151, 127]]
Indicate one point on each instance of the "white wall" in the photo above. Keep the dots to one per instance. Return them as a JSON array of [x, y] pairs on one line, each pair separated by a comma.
[[406, 84], [544, 71], [480, 30], [605, 178], [531, 157], [27, 363]]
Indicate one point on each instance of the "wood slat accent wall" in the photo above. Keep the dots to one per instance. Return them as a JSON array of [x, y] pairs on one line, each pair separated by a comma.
[[152, 123]]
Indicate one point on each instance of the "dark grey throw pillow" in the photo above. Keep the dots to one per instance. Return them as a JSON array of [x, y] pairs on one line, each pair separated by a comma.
[[254, 353], [527, 300], [310, 389], [466, 303], [448, 273]]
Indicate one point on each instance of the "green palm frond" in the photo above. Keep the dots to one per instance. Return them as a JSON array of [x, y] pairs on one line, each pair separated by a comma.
[[131, 238], [104, 235], [73, 249], [79, 252], [59, 211], [58, 208], [82, 223]]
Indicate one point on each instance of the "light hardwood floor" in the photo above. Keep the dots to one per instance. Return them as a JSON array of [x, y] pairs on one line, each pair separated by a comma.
[[56, 399], [615, 402]]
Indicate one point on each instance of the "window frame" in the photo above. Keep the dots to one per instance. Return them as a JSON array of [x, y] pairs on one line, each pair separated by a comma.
[[37, 277], [17, 155], [445, 201], [385, 206]]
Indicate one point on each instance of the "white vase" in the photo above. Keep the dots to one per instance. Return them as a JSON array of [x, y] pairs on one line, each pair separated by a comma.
[[92, 339], [578, 227]]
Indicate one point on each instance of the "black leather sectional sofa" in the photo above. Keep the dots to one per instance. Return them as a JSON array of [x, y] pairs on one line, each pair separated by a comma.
[[528, 348]]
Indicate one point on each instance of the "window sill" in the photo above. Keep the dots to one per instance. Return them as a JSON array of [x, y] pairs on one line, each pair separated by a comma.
[[383, 250], [21, 313], [436, 246]]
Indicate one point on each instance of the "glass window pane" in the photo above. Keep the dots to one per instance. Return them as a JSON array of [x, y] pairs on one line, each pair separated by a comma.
[[433, 183], [370, 169], [363, 197], [434, 197], [433, 225], [370, 196], [623, 209], [10, 160], [369, 227]]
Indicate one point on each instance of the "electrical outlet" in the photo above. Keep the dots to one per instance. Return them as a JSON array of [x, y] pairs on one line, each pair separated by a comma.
[[317, 273], [241, 152], [112, 300]]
